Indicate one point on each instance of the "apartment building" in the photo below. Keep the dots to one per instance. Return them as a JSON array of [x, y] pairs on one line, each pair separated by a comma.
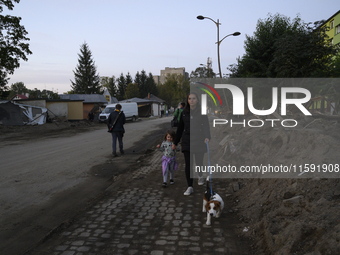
[[170, 70], [333, 24]]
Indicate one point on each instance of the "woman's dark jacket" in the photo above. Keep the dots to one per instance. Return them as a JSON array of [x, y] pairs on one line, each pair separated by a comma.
[[120, 121], [199, 130]]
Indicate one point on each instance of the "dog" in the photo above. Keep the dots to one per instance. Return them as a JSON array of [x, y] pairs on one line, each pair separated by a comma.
[[212, 204]]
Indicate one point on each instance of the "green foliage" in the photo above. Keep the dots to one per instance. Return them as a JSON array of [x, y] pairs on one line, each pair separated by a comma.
[[145, 84], [12, 44], [336, 66], [174, 90], [36, 93], [8, 3], [203, 72], [151, 86], [122, 85], [109, 83], [140, 80], [128, 79], [132, 90], [20, 89], [285, 48], [87, 81], [17, 88]]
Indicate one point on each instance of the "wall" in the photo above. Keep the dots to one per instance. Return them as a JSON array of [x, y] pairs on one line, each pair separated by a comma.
[[57, 109], [75, 110], [336, 39], [172, 70], [332, 31], [38, 103], [156, 110], [86, 109]]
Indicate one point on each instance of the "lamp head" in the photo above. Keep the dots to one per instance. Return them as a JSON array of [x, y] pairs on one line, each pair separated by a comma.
[[200, 17], [236, 33]]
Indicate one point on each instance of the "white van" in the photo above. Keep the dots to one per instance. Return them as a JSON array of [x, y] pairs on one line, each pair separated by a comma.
[[130, 110]]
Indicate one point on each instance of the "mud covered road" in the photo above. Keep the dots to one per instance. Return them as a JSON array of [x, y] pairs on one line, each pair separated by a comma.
[[51, 172]]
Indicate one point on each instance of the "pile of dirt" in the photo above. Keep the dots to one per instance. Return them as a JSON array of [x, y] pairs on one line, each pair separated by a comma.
[[294, 214]]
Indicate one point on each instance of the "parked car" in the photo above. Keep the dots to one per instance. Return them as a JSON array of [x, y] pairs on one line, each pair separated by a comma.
[[130, 110]]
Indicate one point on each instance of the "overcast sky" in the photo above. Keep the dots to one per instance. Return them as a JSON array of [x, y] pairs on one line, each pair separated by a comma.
[[133, 35]]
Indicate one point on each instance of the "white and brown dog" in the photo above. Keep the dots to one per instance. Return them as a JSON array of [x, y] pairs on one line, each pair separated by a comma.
[[212, 204]]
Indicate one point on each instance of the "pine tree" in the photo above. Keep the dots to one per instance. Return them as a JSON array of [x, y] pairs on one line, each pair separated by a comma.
[[110, 84], [86, 79], [128, 79], [132, 90], [137, 78], [151, 85], [121, 87], [140, 79]]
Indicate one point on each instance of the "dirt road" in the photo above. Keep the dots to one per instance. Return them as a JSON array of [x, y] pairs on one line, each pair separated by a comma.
[[47, 180]]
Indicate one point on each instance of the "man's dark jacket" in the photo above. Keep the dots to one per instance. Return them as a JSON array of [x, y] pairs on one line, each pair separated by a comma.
[[119, 126]]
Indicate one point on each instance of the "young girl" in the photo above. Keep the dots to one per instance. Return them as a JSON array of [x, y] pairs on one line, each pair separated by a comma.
[[169, 163]]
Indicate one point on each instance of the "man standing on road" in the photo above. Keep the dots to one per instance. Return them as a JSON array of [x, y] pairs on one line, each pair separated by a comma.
[[116, 121]]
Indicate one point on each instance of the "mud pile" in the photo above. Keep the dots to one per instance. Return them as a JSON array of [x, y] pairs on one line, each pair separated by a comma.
[[293, 214]]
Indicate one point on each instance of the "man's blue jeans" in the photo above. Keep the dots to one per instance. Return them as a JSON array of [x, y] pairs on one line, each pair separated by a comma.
[[115, 136]]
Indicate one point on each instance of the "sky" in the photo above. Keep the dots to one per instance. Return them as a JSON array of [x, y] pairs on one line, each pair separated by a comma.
[[132, 35]]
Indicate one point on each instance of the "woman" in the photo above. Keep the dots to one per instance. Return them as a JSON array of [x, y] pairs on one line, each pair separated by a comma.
[[200, 136]]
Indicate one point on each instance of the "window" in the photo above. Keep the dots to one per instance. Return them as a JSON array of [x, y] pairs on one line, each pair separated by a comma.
[[331, 24], [337, 29]]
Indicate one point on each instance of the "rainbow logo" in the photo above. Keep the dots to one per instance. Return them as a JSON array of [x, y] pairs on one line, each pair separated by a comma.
[[209, 93]]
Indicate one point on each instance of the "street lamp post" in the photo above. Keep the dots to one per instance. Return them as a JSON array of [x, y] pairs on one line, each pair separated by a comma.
[[217, 23]]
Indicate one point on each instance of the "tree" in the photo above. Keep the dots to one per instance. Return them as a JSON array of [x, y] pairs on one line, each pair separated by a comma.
[[87, 81], [141, 80], [151, 86], [137, 78], [175, 89], [110, 84], [203, 72], [132, 90], [36, 93], [18, 88], [336, 66], [128, 79], [121, 87], [12, 43], [284, 48]]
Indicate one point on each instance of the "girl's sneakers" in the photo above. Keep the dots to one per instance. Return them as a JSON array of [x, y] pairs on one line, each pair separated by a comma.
[[201, 180], [188, 191], [171, 182]]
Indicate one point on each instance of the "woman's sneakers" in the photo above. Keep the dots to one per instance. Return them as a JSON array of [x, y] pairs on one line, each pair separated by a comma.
[[172, 182], [201, 180], [188, 191]]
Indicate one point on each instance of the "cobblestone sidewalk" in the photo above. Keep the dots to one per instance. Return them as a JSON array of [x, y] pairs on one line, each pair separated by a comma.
[[139, 216]]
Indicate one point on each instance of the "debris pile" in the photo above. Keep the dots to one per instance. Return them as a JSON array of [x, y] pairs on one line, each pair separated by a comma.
[[292, 214]]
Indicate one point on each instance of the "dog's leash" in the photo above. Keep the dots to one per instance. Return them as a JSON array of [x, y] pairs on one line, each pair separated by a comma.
[[211, 191]]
